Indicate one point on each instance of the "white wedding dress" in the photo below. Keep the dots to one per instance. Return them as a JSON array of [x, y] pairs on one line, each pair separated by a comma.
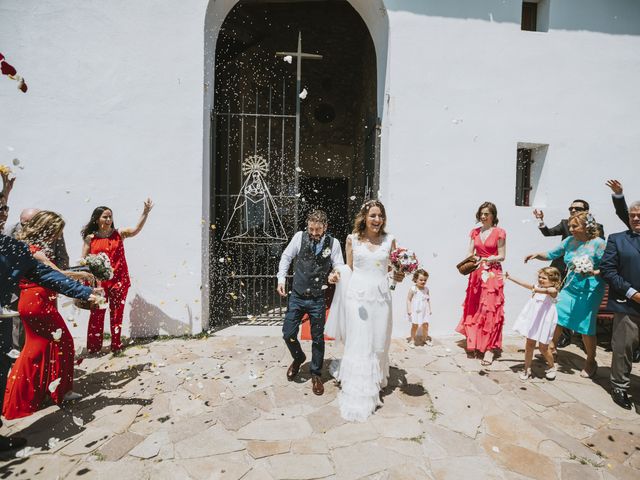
[[360, 317]]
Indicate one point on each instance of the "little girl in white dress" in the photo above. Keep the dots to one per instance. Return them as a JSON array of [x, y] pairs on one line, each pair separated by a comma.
[[538, 319], [419, 306]]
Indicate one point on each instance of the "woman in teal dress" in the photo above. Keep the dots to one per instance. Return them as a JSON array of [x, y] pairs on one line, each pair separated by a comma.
[[580, 298]]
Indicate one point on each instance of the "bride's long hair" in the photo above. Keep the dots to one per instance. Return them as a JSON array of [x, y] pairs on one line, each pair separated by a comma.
[[360, 222]]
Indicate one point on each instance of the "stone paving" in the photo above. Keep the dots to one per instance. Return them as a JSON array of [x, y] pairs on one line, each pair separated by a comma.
[[221, 408]]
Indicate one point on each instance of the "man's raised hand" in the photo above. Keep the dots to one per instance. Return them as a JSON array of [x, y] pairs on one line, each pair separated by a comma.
[[615, 186]]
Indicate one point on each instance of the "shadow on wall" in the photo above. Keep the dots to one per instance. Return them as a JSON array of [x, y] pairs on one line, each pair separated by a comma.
[[148, 320], [620, 17]]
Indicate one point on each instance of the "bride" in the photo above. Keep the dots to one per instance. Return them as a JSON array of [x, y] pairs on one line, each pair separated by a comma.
[[360, 315]]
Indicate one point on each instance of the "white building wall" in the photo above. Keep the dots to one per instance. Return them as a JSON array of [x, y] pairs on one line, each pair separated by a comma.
[[463, 90], [116, 111], [113, 115]]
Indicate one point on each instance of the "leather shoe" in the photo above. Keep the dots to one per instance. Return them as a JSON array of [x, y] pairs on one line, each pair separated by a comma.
[[317, 385], [621, 398], [11, 443], [294, 368]]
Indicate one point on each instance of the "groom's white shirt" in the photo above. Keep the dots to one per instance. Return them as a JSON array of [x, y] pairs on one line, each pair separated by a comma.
[[293, 249]]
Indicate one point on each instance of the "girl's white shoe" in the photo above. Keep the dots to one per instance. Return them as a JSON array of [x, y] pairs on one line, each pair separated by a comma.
[[550, 374], [525, 374]]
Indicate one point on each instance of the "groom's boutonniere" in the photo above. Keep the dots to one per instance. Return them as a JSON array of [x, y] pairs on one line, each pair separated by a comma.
[[326, 252]]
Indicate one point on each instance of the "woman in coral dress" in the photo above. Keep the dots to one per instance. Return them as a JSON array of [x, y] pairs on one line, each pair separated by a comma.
[[100, 235], [45, 364], [483, 316]]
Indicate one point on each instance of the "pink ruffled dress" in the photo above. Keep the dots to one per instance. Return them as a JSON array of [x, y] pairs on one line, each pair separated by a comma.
[[483, 316]]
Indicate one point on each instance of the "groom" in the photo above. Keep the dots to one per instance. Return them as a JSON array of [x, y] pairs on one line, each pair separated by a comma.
[[316, 253]]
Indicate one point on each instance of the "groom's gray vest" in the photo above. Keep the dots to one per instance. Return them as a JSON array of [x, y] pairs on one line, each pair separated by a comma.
[[310, 270]]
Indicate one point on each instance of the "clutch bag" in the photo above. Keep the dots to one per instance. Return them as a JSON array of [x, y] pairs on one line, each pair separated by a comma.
[[468, 265]]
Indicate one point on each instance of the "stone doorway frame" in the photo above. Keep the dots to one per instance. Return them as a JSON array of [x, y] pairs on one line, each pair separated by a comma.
[[373, 14]]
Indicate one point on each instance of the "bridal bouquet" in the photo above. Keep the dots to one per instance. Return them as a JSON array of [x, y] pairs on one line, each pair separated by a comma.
[[99, 266], [403, 261], [582, 264]]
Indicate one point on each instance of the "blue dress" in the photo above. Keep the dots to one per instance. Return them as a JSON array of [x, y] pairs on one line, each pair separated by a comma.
[[580, 298]]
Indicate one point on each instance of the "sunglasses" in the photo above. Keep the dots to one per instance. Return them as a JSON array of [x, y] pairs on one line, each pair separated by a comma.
[[4, 208], [577, 209]]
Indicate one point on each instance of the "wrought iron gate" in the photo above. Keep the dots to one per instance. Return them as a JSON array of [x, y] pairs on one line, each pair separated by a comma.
[[255, 204]]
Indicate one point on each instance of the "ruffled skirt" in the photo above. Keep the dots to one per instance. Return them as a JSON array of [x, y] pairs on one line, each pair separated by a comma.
[[483, 316], [364, 367]]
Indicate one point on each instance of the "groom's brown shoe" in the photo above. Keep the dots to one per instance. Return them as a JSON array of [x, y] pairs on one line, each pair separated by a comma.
[[317, 385], [294, 368]]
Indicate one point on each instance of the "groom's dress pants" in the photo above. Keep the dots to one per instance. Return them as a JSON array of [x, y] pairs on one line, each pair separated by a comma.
[[298, 306]]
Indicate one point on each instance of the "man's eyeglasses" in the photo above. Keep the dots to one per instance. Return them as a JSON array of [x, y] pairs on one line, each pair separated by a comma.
[[4, 208], [577, 209]]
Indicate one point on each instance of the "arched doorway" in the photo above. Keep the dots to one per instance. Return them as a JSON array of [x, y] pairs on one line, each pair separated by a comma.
[[279, 146]]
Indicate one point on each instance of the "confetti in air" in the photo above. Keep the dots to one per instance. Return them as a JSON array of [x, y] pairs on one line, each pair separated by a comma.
[[288, 58], [303, 93], [57, 335]]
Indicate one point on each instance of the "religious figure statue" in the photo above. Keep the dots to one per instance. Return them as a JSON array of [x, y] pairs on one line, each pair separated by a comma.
[[255, 216]]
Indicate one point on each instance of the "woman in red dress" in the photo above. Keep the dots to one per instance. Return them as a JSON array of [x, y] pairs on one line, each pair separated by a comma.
[[100, 235], [483, 316], [45, 364]]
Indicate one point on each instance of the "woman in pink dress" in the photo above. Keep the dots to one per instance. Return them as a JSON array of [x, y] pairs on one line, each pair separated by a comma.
[[483, 316]]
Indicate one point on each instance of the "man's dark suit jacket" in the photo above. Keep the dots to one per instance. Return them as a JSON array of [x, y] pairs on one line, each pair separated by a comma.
[[16, 262], [621, 209], [563, 229], [620, 267]]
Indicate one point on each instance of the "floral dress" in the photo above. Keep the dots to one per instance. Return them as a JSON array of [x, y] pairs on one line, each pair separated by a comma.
[[580, 298]]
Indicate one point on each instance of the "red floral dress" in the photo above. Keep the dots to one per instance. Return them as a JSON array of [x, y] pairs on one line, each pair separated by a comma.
[[483, 316]]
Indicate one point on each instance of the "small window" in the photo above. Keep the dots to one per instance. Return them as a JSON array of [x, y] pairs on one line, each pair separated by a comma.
[[535, 16], [530, 161], [523, 177], [529, 16]]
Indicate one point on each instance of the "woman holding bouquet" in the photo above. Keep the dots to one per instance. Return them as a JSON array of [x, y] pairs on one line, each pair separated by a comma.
[[483, 315], [100, 235], [360, 314], [580, 298], [45, 364]]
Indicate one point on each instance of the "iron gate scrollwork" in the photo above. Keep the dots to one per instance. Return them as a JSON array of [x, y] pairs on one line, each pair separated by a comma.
[[255, 204]]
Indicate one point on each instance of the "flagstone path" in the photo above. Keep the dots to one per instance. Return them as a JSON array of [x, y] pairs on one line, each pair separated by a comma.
[[221, 408]]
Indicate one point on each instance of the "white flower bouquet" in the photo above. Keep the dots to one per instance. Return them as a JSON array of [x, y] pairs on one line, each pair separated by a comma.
[[99, 266], [582, 264]]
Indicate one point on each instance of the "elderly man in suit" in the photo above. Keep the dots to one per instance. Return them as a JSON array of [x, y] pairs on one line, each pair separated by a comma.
[[620, 267], [562, 230]]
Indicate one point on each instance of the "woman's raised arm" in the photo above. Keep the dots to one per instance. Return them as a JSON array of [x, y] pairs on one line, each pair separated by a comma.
[[132, 232]]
